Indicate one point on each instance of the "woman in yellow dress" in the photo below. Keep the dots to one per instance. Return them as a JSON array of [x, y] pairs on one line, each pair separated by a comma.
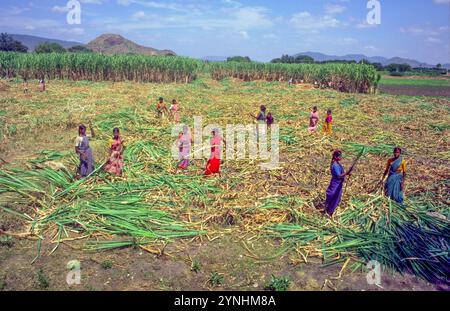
[[328, 125]]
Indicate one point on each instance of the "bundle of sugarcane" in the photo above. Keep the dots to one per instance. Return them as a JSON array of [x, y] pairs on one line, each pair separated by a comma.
[[404, 239]]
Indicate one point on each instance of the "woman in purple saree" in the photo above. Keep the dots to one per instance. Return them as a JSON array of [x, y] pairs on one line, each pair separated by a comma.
[[334, 191], [83, 149]]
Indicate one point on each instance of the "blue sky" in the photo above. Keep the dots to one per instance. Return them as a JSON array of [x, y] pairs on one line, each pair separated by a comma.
[[261, 29]]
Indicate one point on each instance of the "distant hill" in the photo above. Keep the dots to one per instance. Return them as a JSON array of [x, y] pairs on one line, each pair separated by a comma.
[[116, 44], [358, 57], [32, 41]]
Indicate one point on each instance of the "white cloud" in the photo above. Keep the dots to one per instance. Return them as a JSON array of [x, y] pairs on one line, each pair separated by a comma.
[[244, 34], [332, 9], [139, 15], [307, 22], [228, 19], [364, 25], [60, 9], [433, 40], [270, 36], [92, 1], [349, 40]]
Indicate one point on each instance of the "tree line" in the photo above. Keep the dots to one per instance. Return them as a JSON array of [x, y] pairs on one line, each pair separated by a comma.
[[8, 44]]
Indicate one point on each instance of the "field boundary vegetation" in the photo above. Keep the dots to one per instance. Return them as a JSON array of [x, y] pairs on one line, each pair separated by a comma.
[[360, 78]]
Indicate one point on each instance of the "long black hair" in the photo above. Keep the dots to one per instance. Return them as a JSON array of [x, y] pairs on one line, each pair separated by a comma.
[[336, 154], [82, 127]]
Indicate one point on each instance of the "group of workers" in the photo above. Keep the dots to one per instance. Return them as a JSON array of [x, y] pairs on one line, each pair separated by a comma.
[[395, 169]]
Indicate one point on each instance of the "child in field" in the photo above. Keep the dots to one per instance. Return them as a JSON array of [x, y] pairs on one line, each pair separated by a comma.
[[42, 85], [174, 111], [313, 120], [25, 86], [161, 108], [328, 125]]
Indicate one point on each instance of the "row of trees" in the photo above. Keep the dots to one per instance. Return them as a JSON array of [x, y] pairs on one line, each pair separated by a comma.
[[48, 47], [8, 44], [392, 68], [300, 59]]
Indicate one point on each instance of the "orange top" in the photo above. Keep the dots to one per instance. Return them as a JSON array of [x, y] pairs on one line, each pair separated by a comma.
[[401, 168]]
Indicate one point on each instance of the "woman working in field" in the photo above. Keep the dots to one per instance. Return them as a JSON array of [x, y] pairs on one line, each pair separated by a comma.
[[313, 120], [328, 125], [262, 116], [395, 184], [213, 164], [161, 108], [114, 165], [335, 190], [184, 143], [83, 149], [174, 111], [42, 85]]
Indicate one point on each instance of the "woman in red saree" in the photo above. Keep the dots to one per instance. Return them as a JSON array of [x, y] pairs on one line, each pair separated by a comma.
[[213, 164], [115, 161]]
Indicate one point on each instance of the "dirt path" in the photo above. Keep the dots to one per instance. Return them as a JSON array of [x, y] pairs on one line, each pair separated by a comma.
[[433, 91], [136, 269]]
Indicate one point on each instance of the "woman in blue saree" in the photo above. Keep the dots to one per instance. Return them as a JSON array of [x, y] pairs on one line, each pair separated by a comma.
[[334, 191], [83, 149], [396, 168]]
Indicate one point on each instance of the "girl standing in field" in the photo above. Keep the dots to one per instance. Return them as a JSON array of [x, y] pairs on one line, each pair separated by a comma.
[[42, 85], [395, 184], [313, 120], [115, 161], [328, 125], [184, 143], [213, 164], [335, 189], [25, 86], [174, 111], [161, 108], [83, 149]]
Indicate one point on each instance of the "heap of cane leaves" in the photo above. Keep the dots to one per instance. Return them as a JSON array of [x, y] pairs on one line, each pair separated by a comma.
[[412, 238], [140, 207]]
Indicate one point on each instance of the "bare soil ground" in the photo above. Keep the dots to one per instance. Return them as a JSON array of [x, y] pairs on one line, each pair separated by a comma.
[[432, 91], [48, 122]]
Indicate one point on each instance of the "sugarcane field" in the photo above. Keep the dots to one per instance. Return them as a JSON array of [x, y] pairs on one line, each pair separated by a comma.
[[132, 172]]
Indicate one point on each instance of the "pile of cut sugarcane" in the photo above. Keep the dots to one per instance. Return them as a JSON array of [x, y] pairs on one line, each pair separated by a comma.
[[412, 238], [138, 209]]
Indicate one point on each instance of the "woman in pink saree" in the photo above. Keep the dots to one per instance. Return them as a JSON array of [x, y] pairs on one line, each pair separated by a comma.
[[313, 120], [115, 162], [184, 146]]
